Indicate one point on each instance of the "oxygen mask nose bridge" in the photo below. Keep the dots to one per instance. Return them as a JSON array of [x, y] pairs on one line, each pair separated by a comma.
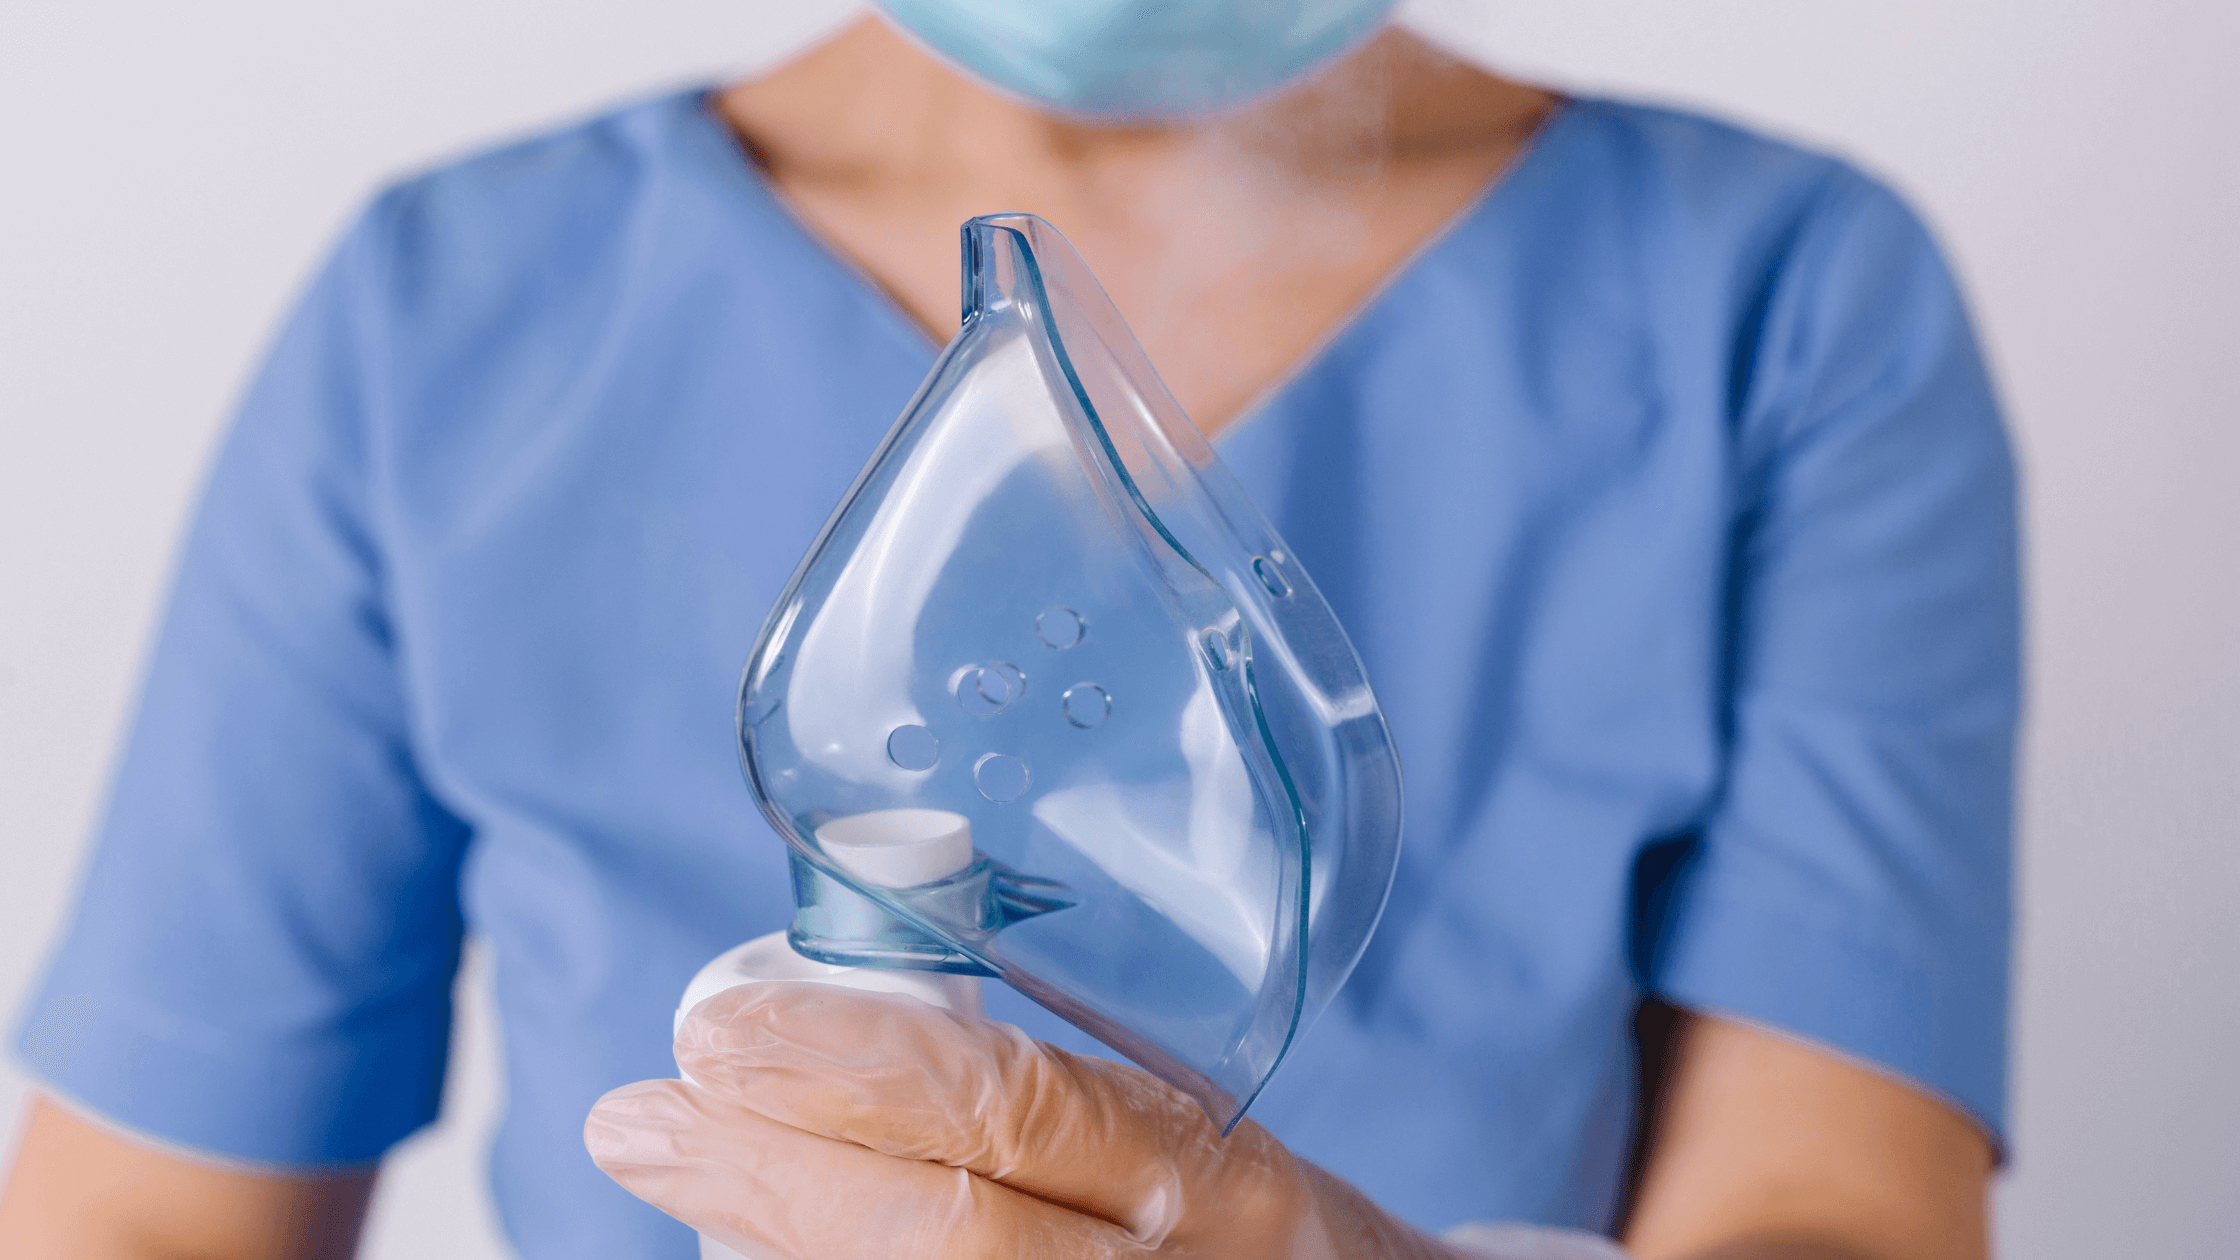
[[1049, 702]]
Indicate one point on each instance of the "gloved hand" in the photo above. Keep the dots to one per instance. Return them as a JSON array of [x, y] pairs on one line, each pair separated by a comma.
[[833, 1124]]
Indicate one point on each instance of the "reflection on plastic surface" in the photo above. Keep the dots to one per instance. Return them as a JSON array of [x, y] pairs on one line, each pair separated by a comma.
[[1047, 608]]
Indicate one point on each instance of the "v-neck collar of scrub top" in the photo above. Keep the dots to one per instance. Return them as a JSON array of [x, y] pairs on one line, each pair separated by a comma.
[[704, 126]]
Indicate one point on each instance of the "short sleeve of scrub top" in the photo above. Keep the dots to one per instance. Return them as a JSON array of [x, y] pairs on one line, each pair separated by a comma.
[[1664, 495], [261, 965]]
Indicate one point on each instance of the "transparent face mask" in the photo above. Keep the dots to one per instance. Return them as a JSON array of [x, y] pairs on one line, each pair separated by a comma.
[[1049, 701]]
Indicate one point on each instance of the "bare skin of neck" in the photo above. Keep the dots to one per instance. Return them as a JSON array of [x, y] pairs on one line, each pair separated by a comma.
[[1233, 246]]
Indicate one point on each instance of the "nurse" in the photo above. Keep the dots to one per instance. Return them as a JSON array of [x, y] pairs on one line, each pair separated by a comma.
[[1650, 464]]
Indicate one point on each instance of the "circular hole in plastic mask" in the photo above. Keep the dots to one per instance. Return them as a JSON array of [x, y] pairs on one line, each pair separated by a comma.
[[1000, 777], [1086, 705], [1060, 628], [1271, 577], [1216, 649], [913, 748], [985, 690]]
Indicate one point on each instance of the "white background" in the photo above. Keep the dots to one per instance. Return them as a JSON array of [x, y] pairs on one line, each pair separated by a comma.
[[169, 172]]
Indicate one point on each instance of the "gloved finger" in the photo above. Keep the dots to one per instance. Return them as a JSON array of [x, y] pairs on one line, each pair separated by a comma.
[[769, 1189], [914, 1081]]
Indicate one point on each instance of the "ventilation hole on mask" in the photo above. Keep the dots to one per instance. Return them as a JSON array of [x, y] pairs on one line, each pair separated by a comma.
[[986, 690], [913, 748], [1060, 628], [1217, 649], [1000, 777], [1086, 705], [1271, 577]]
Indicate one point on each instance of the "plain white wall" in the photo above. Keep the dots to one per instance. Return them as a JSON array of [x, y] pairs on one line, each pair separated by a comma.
[[168, 174]]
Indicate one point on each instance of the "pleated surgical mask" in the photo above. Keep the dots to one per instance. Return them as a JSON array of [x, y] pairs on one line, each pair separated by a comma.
[[1049, 701], [1132, 59]]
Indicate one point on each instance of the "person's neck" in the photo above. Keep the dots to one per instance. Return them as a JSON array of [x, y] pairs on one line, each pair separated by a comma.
[[1232, 245], [868, 108]]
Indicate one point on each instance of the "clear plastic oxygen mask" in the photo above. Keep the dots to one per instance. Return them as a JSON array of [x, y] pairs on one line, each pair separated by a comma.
[[1048, 701]]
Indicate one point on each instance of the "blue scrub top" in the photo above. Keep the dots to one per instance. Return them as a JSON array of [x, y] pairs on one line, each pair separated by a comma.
[[1664, 497]]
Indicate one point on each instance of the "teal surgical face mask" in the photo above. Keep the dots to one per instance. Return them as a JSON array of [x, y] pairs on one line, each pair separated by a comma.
[[1140, 59]]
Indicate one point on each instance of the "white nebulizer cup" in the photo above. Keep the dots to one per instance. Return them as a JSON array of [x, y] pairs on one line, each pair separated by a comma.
[[893, 848]]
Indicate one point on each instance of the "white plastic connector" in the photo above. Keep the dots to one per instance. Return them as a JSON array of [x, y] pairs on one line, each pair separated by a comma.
[[899, 848]]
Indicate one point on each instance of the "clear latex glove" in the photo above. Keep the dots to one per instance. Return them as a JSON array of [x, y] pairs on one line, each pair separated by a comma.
[[831, 1124]]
